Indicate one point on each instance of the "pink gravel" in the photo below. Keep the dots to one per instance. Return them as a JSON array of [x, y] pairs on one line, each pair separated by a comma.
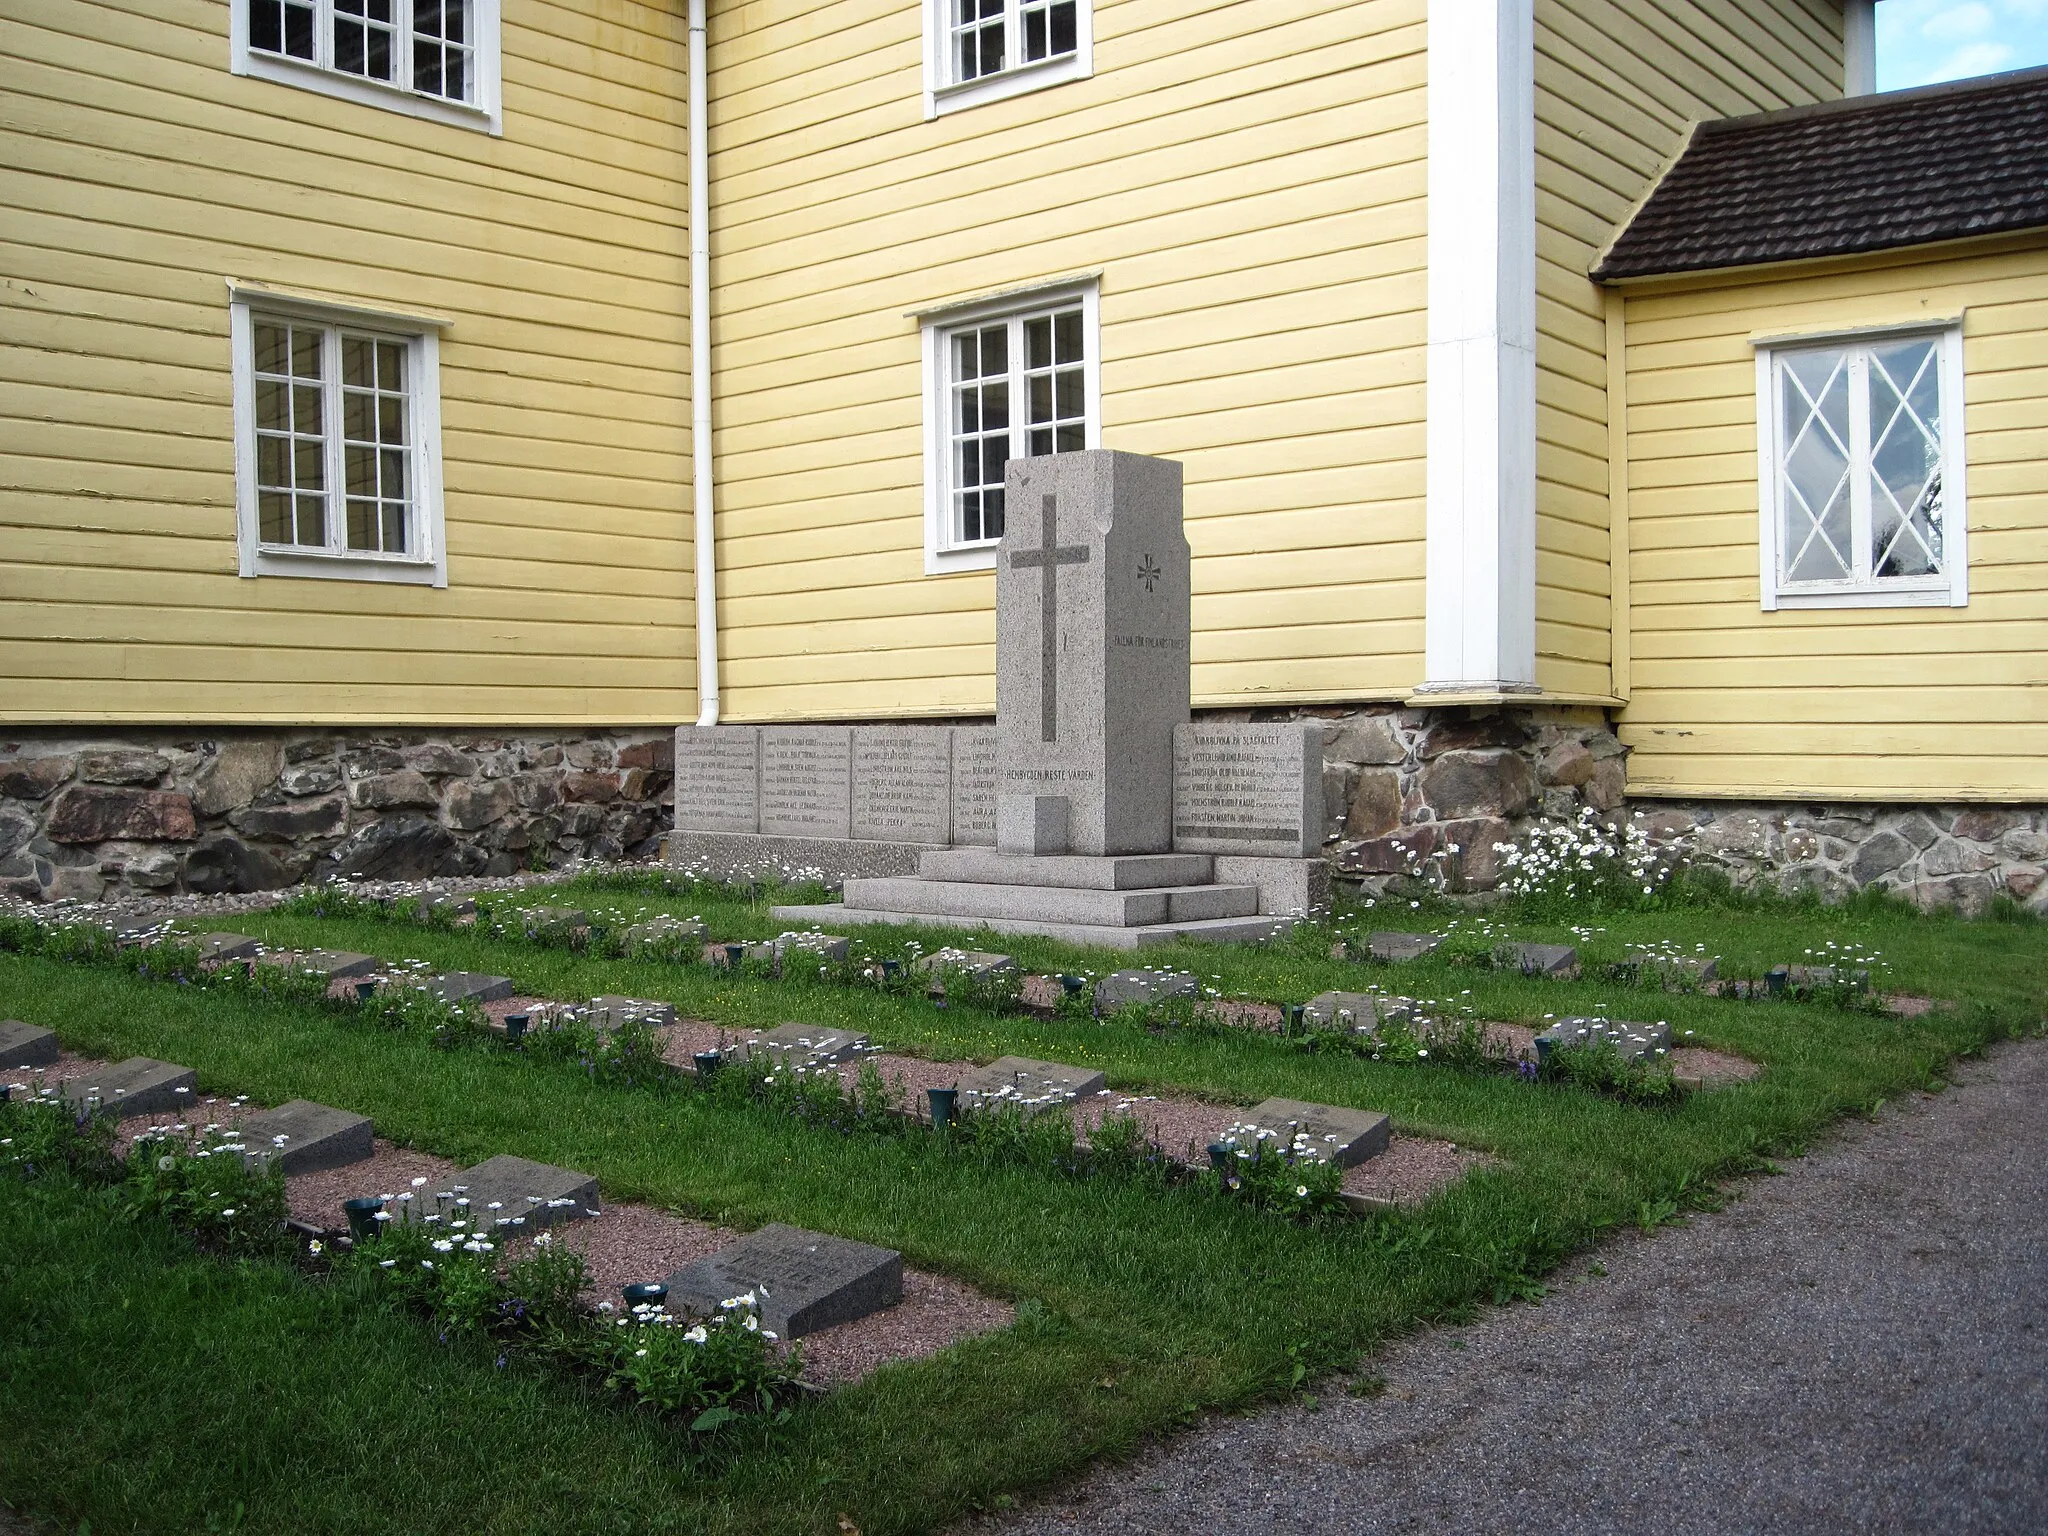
[[935, 1312], [1411, 1170], [1709, 1067], [389, 1170]]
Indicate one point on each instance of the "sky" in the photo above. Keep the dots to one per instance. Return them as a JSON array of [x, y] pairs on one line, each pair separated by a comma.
[[1920, 42]]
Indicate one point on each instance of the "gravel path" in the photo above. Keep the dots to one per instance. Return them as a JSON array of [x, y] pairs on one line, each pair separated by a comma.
[[1859, 1345]]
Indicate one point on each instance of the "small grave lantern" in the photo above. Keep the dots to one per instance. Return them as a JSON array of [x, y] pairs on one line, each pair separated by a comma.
[[362, 1216], [707, 1063], [647, 1293], [942, 1102], [365, 990], [515, 1025]]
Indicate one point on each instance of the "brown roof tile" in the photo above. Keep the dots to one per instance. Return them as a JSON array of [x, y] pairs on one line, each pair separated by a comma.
[[1867, 174]]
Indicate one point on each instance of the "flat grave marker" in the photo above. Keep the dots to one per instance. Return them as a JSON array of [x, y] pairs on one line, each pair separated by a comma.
[[26, 1045], [1555, 960], [334, 964], [803, 1045], [975, 965], [1120, 989], [1634, 1040], [663, 931], [1396, 948], [226, 946], [1346, 1137], [468, 987], [141, 1085], [824, 946], [1346, 1011], [804, 1281], [610, 1011], [313, 1137], [1022, 1080], [541, 1193], [1668, 971]]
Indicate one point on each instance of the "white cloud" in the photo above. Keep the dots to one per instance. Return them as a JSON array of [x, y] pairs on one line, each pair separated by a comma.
[[1920, 42]]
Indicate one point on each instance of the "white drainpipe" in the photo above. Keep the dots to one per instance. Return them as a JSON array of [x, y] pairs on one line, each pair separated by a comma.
[[700, 381]]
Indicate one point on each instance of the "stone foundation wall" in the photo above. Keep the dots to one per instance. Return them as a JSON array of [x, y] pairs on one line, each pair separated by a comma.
[[1408, 790], [1935, 856], [91, 816], [1411, 789]]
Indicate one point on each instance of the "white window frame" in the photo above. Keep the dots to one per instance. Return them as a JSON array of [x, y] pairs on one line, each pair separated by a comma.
[[484, 115], [427, 564], [942, 553], [943, 94], [1950, 588]]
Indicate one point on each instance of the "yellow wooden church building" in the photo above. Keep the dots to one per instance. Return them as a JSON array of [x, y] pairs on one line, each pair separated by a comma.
[[416, 408]]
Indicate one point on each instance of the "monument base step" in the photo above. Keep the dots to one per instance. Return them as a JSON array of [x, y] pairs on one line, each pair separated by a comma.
[[1111, 872], [1215, 930], [960, 900]]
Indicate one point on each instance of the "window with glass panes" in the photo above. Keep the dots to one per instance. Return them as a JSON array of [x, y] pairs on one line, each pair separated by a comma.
[[1017, 388], [417, 45], [1859, 465], [336, 469], [990, 36]]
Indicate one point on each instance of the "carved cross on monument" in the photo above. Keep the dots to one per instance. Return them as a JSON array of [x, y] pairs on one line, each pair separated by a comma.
[[1047, 559]]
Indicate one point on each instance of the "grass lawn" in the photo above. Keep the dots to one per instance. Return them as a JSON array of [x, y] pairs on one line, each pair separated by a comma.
[[1138, 1306]]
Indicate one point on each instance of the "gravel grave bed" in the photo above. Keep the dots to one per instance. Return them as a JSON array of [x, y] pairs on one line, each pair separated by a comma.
[[622, 1245]]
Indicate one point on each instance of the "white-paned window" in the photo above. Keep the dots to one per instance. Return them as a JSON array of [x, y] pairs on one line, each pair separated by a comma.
[[433, 58], [337, 443], [1008, 379], [983, 50], [1860, 472]]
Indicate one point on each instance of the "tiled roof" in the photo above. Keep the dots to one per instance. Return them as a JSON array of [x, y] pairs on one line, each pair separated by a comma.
[[1867, 174]]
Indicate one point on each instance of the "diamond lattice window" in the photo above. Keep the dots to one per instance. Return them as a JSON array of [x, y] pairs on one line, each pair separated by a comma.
[[1864, 499]]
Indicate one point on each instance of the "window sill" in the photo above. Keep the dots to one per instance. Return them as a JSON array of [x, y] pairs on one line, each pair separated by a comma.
[[1011, 82], [969, 557], [321, 567], [282, 70], [1900, 597]]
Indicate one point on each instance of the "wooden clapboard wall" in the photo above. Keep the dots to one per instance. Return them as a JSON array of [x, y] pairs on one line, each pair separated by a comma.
[[1249, 181], [1877, 703], [138, 173], [1617, 81]]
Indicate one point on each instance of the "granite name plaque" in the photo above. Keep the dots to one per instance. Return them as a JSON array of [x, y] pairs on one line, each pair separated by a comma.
[[718, 778], [974, 786], [902, 784], [807, 780], [1254, 789]]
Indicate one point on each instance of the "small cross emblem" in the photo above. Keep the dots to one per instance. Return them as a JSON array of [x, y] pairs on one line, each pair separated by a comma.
[[1048, 558], [1149, 572]]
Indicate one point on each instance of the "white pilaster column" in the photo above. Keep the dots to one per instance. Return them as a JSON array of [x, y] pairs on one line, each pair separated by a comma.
[[1859, 47], [1480, 616]]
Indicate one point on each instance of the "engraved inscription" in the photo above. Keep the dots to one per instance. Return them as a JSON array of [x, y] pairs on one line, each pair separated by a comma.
[[974, 786], [1240, 785], [902, 784], [718, 772], [806, 781]]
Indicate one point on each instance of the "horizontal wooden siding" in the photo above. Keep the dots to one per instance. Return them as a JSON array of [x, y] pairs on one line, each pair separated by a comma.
[[138, 174], [1876, 703]]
